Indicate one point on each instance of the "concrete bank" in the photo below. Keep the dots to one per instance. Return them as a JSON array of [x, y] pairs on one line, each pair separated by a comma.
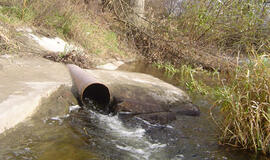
[[24, 81]]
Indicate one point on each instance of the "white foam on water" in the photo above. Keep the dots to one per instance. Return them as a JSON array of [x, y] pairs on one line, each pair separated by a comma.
[[74, 108], [115, 126], [154, 125], [179, 157], [131, 140], [135, 152], [59, 119], [145, 152]]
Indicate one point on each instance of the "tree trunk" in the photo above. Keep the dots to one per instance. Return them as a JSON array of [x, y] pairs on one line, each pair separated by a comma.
[[138, 6]]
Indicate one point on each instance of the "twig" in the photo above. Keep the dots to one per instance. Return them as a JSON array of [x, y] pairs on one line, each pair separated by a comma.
[[211, 26]]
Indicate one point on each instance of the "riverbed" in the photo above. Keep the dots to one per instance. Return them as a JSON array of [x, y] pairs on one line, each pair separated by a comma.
[[63, 130]]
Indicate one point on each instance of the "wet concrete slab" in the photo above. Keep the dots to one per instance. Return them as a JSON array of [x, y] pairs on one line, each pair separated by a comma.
[[24, 81]]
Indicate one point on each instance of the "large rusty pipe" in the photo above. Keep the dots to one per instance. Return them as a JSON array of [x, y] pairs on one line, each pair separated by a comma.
[[88, 87]]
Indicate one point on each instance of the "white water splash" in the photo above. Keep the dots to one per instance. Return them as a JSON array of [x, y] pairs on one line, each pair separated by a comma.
[[145, 152], [59, 119], [116, 128], [74, 108], [154, 125], [130, 140]]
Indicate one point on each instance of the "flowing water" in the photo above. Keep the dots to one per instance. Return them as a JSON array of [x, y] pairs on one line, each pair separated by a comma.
[[62, 130]]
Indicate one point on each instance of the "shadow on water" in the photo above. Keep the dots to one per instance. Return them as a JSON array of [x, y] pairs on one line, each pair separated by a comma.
[[62, 130]]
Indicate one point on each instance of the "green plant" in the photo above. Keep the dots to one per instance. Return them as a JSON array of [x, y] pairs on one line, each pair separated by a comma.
[[13, 12], [23, 8], [198, 83], [186, 77], [61, 22], [7, 45], [61, 55], [169, 69], [111, 41]]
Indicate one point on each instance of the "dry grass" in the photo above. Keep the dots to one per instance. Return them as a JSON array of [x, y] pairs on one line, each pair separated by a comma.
[[243, 100], [74, 20], [7, 45], [245, 104]]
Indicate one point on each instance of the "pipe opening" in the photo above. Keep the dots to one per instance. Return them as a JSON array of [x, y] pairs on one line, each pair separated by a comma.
[[99, 93]]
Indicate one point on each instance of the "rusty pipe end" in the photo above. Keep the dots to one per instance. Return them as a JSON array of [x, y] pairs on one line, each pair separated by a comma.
[[88, 87], [97, 92]]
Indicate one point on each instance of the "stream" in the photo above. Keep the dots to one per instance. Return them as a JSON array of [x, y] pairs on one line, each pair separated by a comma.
[[80, 133]]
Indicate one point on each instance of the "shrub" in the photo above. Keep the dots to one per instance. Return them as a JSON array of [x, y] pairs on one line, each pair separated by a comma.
[[228, 24]]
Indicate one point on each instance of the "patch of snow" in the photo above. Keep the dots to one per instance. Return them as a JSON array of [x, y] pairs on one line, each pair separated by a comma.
[[24, 29], [118, 63], [111, 66], [108, 66], [59, 119], [54, 44]]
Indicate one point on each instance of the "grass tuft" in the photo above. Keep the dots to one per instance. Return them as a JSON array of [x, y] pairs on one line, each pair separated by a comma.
[[7, 45], [246, 106]]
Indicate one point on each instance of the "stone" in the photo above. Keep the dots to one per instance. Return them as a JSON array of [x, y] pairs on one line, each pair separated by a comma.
[[145, 96]]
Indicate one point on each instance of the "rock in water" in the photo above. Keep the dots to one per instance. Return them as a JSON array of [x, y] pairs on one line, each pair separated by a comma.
[[145, 96]]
